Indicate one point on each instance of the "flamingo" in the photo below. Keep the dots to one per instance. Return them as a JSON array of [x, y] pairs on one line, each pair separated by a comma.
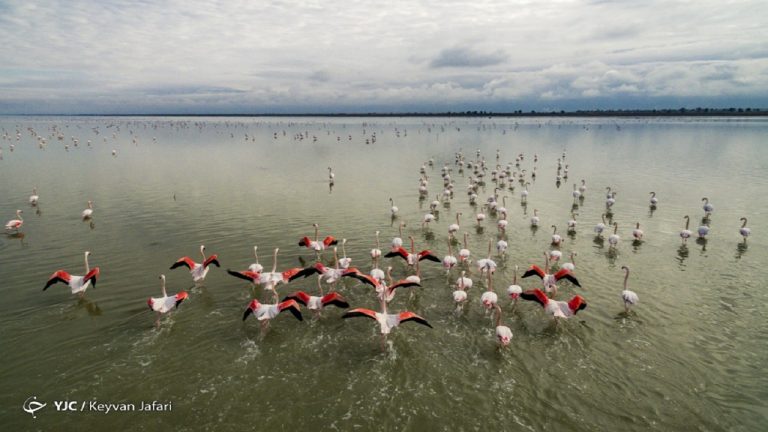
[[15, 224], [428, 217], [393, 210], [331, 176], [397, 242], [503, 333], [480, 217], [572, 223], [629, 297], [88, 213], [344, 262], [550, 280], [256, 267], [315, 303], [685, 233], [464, 253], [535, 218], [386, 321], [269, 279], [412, 258], [165, 303], [610, 201], [34, 198], [654, 200], [197, 270], [703, 230], [576, 194], [600, 226], [524, 193], [385, 291], [487, 264], [331, 274], [463, 283], [78, 284], [501, 247], [376, 252], [514, 290], [489, 297], [449, 261], [503, 208], [555, 255], [708, 209], [614, 238], [744, 230], [316, 244], [265, 312], [571, 265], [582, 188], [558, 309], [637, 233], [454, 228], [556, 239]]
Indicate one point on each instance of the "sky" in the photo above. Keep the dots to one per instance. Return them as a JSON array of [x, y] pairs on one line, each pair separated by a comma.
[[327, 56]]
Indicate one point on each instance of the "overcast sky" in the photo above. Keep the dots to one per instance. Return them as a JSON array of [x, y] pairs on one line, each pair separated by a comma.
[[189, 56]]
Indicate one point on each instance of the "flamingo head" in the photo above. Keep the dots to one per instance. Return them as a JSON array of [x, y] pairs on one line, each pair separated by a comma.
[[504, 340], [514, 291]]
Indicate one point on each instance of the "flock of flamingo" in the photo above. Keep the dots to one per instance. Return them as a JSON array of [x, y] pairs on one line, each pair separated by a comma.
[[380, 278]]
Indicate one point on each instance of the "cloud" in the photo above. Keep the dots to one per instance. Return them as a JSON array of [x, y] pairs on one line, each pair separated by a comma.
[[463, 57]]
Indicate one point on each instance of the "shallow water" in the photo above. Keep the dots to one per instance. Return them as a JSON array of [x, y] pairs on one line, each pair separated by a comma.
[[690, 356]]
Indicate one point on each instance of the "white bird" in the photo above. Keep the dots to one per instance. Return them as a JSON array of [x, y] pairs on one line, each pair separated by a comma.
[[397, 242], [685, 234], [614, 238], [514, 290], [600, 226], [535, 218], [558, 309], [88, 213], [744, 230], [501, 247], [629, 297], [449, 261], [637, 233], [487, 264], [576, 194], [393, 210], [454, 228], [654, 200], [503, 333], [583, 188], [703, 230], [428, 217], [556, 239], [524, 193], [572, 223], [708, 209], [489, 297], [165, 303], [78, 284], [462, 285], [256, 267], [34, 198], [197, 270], [570, 266], [344, 262], [331, 175], [376, 252], [15, 224], [464, 253]]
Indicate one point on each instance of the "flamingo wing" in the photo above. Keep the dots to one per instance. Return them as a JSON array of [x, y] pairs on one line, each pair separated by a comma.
[[245, 275], [403, 283], [252, 307], [428, 255], [180, 297], [335, 299], [410, 316], [360, 312], [292, 307], [184, 261], [536, 295], [566, 274], [213, 259], [299, 296], [330, 241], [402, 253], [534, 270], [306, 271], [91, 276], [58, 276], [355, 273], [292, 273]]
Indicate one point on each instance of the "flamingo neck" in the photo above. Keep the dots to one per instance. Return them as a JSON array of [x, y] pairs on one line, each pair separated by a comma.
[[626, 277], [744, 224], [498, 315], [274, 261], [87, 268], [162, 287]]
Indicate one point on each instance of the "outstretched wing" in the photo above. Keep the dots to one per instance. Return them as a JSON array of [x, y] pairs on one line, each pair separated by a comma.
[[360, 312], [355, 273], [292, 307], [245, 275], [57, 276], [534, 270], [184, 261], [330, 241], [536, 295], [91, 276], [566, 274], [335, 299], [428, 255], [410, 316], [299, 296], [213, 259], [402, 253]]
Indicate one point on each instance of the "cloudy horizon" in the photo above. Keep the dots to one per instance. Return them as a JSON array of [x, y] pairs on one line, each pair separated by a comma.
[[238, 57]]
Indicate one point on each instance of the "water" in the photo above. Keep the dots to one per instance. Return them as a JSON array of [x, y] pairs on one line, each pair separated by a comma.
[[691, 356]]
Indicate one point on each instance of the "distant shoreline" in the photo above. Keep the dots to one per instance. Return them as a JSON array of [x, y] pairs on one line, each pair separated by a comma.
[[681, 112]]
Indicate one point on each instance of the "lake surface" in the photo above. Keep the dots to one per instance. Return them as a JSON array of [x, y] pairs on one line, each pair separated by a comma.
[[692, 355]]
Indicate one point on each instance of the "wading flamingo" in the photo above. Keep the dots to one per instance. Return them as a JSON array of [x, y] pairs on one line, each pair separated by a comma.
[[88, 212], [386, 321], [165, 303], [558, 309], [317, 245], [744, 230], [550, 280], [629, 297], [78, 284], [197, 270], [686, 233], [15, 224], [34, 198], [503, 333]]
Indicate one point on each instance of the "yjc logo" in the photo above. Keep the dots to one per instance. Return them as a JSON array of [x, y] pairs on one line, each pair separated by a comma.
[[31, 405]]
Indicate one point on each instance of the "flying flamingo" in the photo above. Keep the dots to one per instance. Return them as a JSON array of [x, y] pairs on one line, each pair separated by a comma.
[[265, 312], [744, 230], [78, 284], [269, 280], [487, 264], [315, 303], [629, 297], [708, 209], [34, 198], [550, 280], [317, 245], [686, 233], [88, 213], [386, 321], [558, 309], [637, 233], [197, 270], [412, 258], [385, 291], [15, 224], [165, 303], [503, 333], [331, 274]]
